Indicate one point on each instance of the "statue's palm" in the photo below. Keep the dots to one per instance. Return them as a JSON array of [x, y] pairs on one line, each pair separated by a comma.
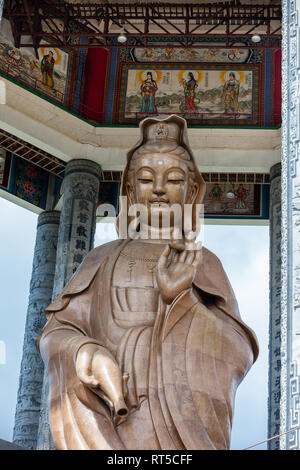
[[176, 271]]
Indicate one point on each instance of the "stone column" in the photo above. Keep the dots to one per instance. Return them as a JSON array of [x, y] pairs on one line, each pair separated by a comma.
[[32, 368], [1, 9], [290, 230], [78, 219], [75, 240], [275, 310]]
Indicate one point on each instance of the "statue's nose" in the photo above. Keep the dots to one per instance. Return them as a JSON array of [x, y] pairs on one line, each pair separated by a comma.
[[158, 187]]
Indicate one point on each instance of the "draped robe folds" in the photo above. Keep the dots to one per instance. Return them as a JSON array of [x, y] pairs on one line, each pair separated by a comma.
[[184, 367]]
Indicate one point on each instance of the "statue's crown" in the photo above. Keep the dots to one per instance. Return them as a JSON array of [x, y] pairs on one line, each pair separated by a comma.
[[163, 131], [171, 130]]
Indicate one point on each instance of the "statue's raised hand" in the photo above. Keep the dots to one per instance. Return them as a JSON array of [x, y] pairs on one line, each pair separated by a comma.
[[176, 269], [97, 368]]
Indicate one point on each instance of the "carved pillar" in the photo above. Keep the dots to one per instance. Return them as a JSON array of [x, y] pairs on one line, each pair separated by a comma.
[[290, 247], [75, 240], [32, 368], [1, 9], [78, 219], [275, 310]]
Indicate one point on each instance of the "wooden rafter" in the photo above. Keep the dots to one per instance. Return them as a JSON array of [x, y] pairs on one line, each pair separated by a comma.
[[183, 24]]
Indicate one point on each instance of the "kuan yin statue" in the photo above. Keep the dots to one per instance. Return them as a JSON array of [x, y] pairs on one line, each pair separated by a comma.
[[145, 347]]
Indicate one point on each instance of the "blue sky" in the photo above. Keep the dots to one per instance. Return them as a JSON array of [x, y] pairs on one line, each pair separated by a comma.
[[244, 252]]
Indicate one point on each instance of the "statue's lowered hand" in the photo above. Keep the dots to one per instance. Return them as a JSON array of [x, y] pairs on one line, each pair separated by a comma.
[[176, 269], [97, 368]]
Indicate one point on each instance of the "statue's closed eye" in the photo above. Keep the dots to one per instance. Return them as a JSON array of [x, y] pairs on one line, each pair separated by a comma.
[[145, 180], [173, 180], [175, 177]]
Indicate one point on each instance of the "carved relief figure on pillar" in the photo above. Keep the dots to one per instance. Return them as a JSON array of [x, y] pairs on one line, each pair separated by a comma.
[[145, 346]]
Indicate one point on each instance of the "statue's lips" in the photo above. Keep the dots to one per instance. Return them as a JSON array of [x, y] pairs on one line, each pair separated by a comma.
[[159, 204]]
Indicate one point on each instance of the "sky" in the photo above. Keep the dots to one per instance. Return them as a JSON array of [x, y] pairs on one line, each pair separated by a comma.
[[244, 252]]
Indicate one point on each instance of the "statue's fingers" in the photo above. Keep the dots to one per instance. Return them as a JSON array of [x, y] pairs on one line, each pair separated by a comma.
[[172, 256], [190, 257], [178, 249], [176, 257], [182, 256], [177, 246], [83, 360], [197, 258], [198, 246], [125, 379], [164, 257], [87, 379]]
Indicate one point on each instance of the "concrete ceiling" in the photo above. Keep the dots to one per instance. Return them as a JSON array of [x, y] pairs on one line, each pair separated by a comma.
[[66, 136]]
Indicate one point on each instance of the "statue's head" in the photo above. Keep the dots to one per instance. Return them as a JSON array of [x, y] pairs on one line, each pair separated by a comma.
[[161, 170], [149, 76]]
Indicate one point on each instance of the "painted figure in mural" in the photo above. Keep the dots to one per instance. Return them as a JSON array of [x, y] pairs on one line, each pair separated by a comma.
[[148, 90], [216, 193], [147, 52], [233, 54], [145, 346], [241, 194], [190, 53], [13, 56], [47, 69], [169, 52], [190, 86], [230, 95]]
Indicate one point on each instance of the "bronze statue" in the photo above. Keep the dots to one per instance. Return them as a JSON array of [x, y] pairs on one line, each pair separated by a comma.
[[145, 346]]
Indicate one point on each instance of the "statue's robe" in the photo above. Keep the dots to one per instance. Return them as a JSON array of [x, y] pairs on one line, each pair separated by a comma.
[[184, 366]]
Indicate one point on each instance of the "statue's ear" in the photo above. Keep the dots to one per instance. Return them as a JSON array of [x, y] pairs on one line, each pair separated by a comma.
[[193, 192]]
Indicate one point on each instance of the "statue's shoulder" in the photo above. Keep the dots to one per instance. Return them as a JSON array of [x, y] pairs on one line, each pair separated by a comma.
[[211, 277], [84, 275], [94, 259], [209, 258], [96, 255]]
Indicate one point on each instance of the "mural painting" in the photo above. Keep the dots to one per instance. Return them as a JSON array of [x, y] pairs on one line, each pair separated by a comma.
[[198, 94], [49, 74], [148, 90], [47, 69], [174, 54], [244, 200], [2, 166], [5, 166], [30, 182]]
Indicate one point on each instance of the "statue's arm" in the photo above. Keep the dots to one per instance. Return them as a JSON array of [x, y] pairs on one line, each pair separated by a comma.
[[67, 345], [60, 338], [191, 301]]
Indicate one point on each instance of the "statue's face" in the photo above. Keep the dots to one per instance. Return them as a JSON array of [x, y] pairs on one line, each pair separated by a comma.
[[160, 180]]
